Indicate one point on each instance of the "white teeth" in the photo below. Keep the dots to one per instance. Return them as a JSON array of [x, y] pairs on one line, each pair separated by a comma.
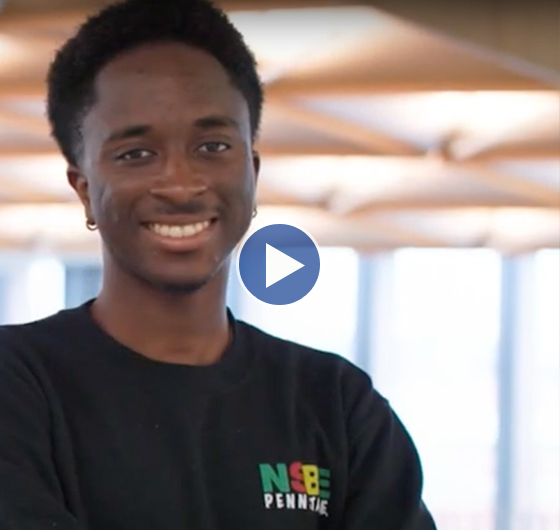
[[175, 231], [178, 231]]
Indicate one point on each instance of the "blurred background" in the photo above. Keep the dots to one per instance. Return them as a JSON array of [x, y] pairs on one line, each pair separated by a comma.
[[419, 144]]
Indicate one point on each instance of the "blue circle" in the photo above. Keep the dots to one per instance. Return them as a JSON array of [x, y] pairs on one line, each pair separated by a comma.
[[289, 240]]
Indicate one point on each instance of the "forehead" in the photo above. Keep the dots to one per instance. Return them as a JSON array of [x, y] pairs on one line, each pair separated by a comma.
[[165, 81]]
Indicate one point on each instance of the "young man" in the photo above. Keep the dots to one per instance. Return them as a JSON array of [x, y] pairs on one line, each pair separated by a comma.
[[151, 407]]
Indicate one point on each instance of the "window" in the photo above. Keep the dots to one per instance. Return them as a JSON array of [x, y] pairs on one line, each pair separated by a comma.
[[82, 283], [438, 369], [3, 297], [546, 404], [32, 287], [325, 319]]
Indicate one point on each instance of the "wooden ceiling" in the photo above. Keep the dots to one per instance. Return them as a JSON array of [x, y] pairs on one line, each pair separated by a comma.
[[378, 133]]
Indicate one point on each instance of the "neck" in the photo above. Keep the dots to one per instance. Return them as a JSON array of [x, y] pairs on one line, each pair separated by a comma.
[[184, 328]]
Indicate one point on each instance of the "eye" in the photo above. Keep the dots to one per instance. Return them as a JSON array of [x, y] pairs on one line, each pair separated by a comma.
[[135, 154], [214, 147]]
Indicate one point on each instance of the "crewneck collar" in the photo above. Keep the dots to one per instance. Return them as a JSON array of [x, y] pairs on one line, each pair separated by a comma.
[[231, 370]]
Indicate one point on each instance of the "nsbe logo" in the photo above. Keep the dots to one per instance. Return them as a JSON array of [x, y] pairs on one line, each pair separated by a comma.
[[295, 487]]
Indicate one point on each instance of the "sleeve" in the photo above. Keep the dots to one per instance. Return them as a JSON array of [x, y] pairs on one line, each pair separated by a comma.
[[385, 476], [31, 497]]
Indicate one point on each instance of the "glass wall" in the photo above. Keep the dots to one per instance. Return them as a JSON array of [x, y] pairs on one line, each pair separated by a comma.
[[545, 408], [32, 286], [325, 319], [431, 323], [443, 379], [3, 287], [83, 281]]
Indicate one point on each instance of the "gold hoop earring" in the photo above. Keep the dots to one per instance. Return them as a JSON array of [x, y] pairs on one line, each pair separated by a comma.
[[91, 225]]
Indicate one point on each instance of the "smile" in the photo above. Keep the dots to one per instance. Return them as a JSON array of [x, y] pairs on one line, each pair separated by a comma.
[[179, 231]]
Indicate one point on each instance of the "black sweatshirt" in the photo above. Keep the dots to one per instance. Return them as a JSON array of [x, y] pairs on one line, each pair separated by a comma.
[[276, 436]]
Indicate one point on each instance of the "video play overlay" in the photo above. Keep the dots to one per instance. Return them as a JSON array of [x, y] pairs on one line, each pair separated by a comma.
[[279, 264]]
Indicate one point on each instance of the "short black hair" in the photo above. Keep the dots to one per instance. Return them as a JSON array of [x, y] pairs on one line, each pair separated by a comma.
[[131, 23]]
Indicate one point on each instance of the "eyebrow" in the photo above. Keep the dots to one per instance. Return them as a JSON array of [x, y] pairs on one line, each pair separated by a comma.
[[132, 131], [204, 123], [216, 122]]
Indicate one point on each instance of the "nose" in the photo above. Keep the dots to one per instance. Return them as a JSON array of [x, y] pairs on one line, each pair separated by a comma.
[[179, 182]]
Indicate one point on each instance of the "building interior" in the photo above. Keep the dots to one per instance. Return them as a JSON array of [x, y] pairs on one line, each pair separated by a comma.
[[419, 144]]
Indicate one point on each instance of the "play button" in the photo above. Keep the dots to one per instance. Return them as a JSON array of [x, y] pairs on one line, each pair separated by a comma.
[[279, 264]]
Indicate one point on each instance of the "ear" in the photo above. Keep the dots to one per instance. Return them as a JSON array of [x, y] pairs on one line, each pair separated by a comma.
[[256, 164], [79, 182]]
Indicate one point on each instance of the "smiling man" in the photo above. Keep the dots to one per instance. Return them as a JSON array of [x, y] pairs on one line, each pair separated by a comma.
[[152, 407]]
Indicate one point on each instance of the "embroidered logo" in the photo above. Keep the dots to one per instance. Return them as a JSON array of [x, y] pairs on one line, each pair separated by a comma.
[[296, 486]]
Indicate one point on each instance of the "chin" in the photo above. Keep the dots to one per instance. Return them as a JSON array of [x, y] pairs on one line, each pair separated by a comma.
[[179, 282], [181, 288], [180, 275]]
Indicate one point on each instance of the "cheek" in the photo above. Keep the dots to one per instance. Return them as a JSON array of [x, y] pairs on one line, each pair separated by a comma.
[[106, 204], [246, 186], [240, 198]]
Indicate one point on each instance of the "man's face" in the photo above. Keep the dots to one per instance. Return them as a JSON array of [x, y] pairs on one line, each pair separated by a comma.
[[167, 169]]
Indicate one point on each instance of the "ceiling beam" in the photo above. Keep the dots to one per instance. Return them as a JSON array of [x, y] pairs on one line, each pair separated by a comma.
[[340, 87], [13, 21], [44, 15], [532, 194], [527, 188], [22, 122], [366, 137], [78, 248], [23, 89], [402, 236], [9, 244], [12, 190], [87, 248], [506, 152], [408, 205], [268, 197], [512, 249], [497, 154], [522, 36], [264, 5], [335, 88], [472, 149], [12, 152], [273, 150], [527, 32]]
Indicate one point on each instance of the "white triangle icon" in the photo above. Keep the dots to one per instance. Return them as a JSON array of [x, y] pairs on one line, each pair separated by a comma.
[[279, 265]]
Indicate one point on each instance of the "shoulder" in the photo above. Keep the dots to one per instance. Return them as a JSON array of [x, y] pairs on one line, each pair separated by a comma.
[[313, 368], [274, 349], [23, 342], [43, 326]]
